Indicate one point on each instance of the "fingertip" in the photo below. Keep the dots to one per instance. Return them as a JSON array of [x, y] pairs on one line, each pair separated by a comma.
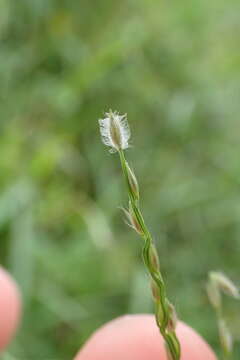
[[193, 346], [10, 307], [136, 337]]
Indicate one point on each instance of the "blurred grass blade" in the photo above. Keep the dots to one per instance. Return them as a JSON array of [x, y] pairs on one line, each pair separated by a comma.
[[21, 251]]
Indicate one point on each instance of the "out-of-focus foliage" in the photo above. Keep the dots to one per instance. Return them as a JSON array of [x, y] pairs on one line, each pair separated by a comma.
[[173, 66]]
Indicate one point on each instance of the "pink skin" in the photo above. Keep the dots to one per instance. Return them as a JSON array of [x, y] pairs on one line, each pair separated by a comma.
[[136, 337], [133, 337], [9, 308]]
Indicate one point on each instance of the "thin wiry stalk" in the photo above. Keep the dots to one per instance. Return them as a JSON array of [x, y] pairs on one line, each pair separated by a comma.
[[165, 313], [115, 133]]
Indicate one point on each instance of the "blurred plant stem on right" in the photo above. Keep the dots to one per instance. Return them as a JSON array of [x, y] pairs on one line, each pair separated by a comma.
[[218, 284]]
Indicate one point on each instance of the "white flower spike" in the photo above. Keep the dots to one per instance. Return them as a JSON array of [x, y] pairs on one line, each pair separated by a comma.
[[115, 131]]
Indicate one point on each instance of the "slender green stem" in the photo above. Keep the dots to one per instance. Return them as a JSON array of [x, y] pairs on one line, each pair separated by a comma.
[[165, 314]]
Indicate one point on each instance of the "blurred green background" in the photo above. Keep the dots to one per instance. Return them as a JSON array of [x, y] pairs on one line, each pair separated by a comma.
[[174, 67]]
